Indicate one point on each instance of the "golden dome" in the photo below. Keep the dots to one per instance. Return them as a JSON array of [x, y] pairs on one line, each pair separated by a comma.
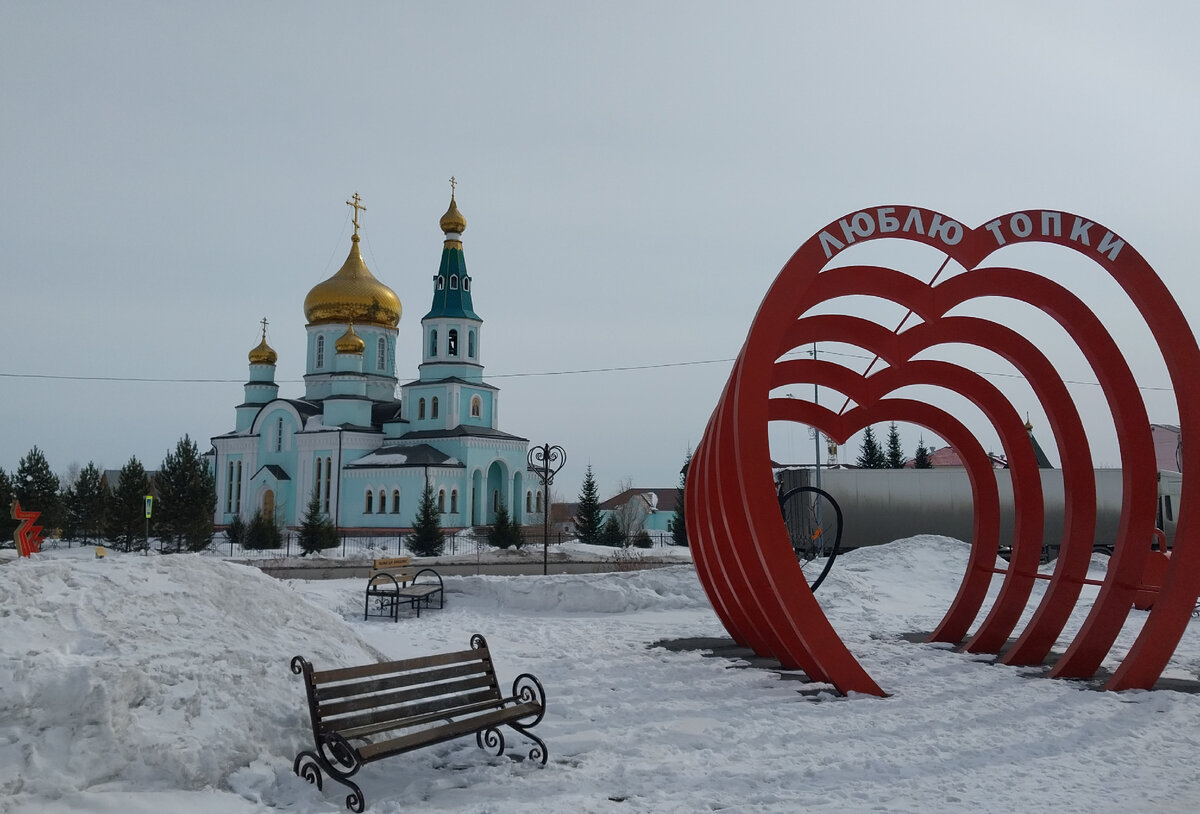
[[264, 354], [453, 221], [350, 342], [353, 295]]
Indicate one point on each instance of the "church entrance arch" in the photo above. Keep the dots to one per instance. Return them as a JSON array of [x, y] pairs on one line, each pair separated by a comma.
[[476, 497], [497, 494]]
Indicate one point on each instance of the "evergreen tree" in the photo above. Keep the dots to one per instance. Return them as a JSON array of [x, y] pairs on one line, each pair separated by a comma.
[[316, 531], [587, 515], [611, 534], [236, 530], [127, 507], [922, 460], [187, 498], [86, 504], [262, 533], [505, 533], [38, 490], [679, 521], [426, 539], [895, 454], [8, 526], [871, 455]]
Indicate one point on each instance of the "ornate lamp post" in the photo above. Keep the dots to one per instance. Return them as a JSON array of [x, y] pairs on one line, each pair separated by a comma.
[[545, 462]]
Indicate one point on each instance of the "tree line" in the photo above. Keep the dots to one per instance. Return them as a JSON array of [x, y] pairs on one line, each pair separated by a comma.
[[82, 506], [873, 456], [623, 526]]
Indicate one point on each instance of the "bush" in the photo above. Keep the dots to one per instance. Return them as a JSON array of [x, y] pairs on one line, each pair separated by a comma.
[[642, 540], [236, 530], [262, 533]]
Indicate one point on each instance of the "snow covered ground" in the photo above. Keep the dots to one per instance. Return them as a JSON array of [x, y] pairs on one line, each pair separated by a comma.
[[140, 684]]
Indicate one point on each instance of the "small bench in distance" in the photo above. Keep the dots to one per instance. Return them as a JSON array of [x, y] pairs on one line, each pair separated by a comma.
[[394, 581]]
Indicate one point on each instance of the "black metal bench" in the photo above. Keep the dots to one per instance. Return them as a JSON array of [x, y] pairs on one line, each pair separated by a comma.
[[367, 713], [393, 583]]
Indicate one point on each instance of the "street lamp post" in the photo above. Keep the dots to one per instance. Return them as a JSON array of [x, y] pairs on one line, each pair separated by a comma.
[[545, 462]]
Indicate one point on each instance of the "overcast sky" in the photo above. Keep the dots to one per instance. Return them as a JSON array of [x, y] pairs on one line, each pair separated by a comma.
[[633, 176]]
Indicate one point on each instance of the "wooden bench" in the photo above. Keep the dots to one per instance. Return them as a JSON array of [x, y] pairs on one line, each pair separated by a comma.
[[394, 582], [363, 714]]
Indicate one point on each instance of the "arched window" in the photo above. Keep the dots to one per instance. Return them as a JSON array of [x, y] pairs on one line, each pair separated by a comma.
[[229, 490], [529, 501], [279, 435], [237, 491], [466, 283], [320, 351], [317, 483], [370, 500], [452, 342], [433, 408], [495, 500], [539, 502], [395, 501], [420, 409], [470, 344], [328, 477], [453, 282], [454, 502], [433, 341], [381, 354], [441, 501], [476, 407], [441, 282], [382, 501]]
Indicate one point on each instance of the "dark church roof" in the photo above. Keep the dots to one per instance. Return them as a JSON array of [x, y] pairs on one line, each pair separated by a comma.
[[460, 431], [399, 456]]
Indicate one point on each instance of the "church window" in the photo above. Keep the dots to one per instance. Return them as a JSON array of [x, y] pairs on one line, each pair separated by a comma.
[[466, 283], [320, 351], [433, 408], [471, 344], [328, 477], [452, 342], [279, 434], [381, 354], [495, 500], [441, 282], [420, 409], [395, 501], [237, 491], [370, 500], [317, 481], [476, 407], [229, 490], [454, 501], [539, 503], [441, 501], [433, 342], [453, 282], [529, 501], [382, 501]]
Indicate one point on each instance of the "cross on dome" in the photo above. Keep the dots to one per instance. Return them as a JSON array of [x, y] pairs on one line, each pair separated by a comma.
[[357, 206]]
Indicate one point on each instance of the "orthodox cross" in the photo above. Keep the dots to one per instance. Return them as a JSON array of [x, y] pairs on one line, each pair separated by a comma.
[[453, 184], [264, 324], [357, 206]]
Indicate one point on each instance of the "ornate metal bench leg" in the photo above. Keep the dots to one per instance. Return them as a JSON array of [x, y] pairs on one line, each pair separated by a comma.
[[538, 752], [309, 765]]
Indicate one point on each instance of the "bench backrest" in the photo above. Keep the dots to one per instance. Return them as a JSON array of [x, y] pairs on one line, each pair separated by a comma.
[[357, 700], [398, 567]]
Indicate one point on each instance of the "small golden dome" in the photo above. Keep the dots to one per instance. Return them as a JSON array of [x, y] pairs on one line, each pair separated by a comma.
[[350, 342], [353, 295], [264, 354], [453, 221]]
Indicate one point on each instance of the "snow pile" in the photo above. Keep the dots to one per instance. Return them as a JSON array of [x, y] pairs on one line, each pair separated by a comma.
[[669, 588], [162, 672]]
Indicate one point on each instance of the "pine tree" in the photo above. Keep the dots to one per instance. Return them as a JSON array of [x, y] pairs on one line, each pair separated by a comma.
[[316, 531], [922, 460], [871, 456], [504, 533], [611, 534], [38, 490], [8, 526], [127, 507], [86, 503], [186, 498], [262, 533], [587, 515], [895, 454], [679, 522], [426, 539]]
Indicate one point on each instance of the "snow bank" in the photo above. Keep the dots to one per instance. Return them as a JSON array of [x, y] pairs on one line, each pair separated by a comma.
[[151, 672], [671, 588]]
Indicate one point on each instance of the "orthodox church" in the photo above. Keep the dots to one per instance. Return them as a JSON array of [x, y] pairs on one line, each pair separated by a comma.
[[364, 453]]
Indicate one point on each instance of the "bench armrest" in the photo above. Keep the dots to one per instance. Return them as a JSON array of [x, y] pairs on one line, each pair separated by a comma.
[[527, 689]]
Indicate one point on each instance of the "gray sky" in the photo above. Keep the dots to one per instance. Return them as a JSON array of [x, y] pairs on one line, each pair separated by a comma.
[[633, 177]]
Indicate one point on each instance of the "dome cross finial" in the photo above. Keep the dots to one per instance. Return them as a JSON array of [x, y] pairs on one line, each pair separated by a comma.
[[357, 204], [453, 185], [264, 324]]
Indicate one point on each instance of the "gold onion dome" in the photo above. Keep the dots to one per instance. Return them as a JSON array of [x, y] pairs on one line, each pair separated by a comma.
[[350, 342], [264, 354], [453, 221], [353, 295]]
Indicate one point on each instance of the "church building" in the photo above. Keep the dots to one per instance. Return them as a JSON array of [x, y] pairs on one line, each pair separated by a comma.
[[364, 452]]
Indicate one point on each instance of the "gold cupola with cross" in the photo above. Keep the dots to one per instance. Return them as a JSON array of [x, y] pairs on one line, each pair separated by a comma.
[[353, 295]]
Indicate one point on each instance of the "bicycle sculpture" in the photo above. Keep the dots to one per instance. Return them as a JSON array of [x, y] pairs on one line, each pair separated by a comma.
[[740, 543]]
